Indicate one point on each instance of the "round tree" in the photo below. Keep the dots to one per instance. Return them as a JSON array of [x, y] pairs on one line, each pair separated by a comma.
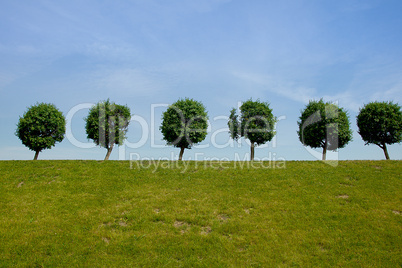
[[324, 125], [380, 123], [184, 124], [256, 123], [41, 126], [107, 124]]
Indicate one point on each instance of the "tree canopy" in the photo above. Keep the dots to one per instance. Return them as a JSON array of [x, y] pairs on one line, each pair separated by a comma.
[[184, 124], [41, 127], [107, 124], [380, 123], [256, 123], [324, 125]]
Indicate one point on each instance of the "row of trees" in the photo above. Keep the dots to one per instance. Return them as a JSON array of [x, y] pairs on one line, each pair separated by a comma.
[[184, 124]]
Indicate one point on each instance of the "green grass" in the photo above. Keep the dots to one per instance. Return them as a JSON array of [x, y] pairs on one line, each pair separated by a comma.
[[200, 214]]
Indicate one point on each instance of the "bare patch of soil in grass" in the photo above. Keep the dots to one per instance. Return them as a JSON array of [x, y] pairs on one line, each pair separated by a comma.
[[123, 224], [184, 226], [322, 247], [347, 184], [396, 212], [178, 224], [248, 210], [223, 217], [106, 224], [206, 230]]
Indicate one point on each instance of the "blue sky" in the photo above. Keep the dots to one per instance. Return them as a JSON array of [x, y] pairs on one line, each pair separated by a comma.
[[147, 54]]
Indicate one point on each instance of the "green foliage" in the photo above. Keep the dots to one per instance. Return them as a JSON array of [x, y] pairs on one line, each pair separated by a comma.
[[324, 125], [184, 123], [200, 214], [107, 124], [234, 125], [380, 123], [256, 123], [41, 126]]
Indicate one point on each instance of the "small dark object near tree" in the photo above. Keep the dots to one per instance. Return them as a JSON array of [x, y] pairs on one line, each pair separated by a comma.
[[41, 127], [380, 123], [256, 123], [107, 124], [184, 124], [324, 125]]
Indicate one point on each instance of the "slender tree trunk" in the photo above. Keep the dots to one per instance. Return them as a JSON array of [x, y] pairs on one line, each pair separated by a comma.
[[384, 147], [36, 155], [252, 152], [109, 151], [181, 153], [324, 151]]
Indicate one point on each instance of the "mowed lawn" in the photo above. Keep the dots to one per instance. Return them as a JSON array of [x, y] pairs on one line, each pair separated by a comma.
[[200, 214]]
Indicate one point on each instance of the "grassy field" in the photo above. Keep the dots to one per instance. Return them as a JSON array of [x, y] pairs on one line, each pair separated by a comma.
[[200, 214]]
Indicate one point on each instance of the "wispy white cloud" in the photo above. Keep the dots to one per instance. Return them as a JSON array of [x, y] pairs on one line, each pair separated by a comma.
[[182, 7], [376, 79], [206, 5], [280, 87], [6, 78], [394, 93], [351, 98], [346, 99], [129, 82], [357, 5], [111, 51]]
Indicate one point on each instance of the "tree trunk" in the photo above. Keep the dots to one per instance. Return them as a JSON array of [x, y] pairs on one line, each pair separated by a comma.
[[384, 147], [252, 152], [324, 150], [181, 153], [36, 155], [109, 151]]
